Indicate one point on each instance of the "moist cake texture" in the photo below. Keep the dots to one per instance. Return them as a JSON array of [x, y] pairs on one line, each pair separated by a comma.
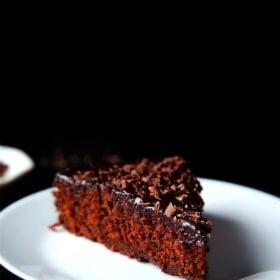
[[148, 210]]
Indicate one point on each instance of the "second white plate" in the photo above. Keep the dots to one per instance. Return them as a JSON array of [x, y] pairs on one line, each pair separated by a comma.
[[18, 163]]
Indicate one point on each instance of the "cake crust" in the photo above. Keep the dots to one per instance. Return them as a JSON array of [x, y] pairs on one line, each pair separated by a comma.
[[149, 210]]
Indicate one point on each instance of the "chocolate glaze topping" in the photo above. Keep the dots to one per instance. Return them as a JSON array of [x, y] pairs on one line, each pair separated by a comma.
[[167, 188]]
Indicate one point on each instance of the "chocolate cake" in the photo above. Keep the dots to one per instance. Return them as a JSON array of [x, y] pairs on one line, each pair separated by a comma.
[[3, 168], [148, 210]]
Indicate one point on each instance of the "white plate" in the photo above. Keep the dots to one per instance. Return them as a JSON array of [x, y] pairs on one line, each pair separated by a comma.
[[18, 163], [246, 240]]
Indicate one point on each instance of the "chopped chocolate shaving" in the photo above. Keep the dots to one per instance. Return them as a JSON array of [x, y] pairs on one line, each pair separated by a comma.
[[181, 186], [165, 191], [134, 173], [181, 197], [154, 192], [152, 189], [157, 206], [170, 210], [123, 183], [85, 175], [145, 179]]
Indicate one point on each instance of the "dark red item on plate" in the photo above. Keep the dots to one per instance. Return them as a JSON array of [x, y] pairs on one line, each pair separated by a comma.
[[148, 210]]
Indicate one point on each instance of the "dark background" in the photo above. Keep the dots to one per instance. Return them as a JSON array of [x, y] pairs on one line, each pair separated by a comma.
[[234, 145], [210, 100]]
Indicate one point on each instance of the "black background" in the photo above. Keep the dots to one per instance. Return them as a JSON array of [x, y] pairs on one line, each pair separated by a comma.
[[231, 143]]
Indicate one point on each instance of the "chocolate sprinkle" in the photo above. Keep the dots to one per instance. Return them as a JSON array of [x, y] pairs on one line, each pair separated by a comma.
[[123, 182], [157, 206], [170, 210]]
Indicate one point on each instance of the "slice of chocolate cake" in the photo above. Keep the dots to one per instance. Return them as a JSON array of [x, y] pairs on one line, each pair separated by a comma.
[[147, 210]]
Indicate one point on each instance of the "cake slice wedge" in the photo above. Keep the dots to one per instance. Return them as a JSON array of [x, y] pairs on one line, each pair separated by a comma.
[[148, 210]]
